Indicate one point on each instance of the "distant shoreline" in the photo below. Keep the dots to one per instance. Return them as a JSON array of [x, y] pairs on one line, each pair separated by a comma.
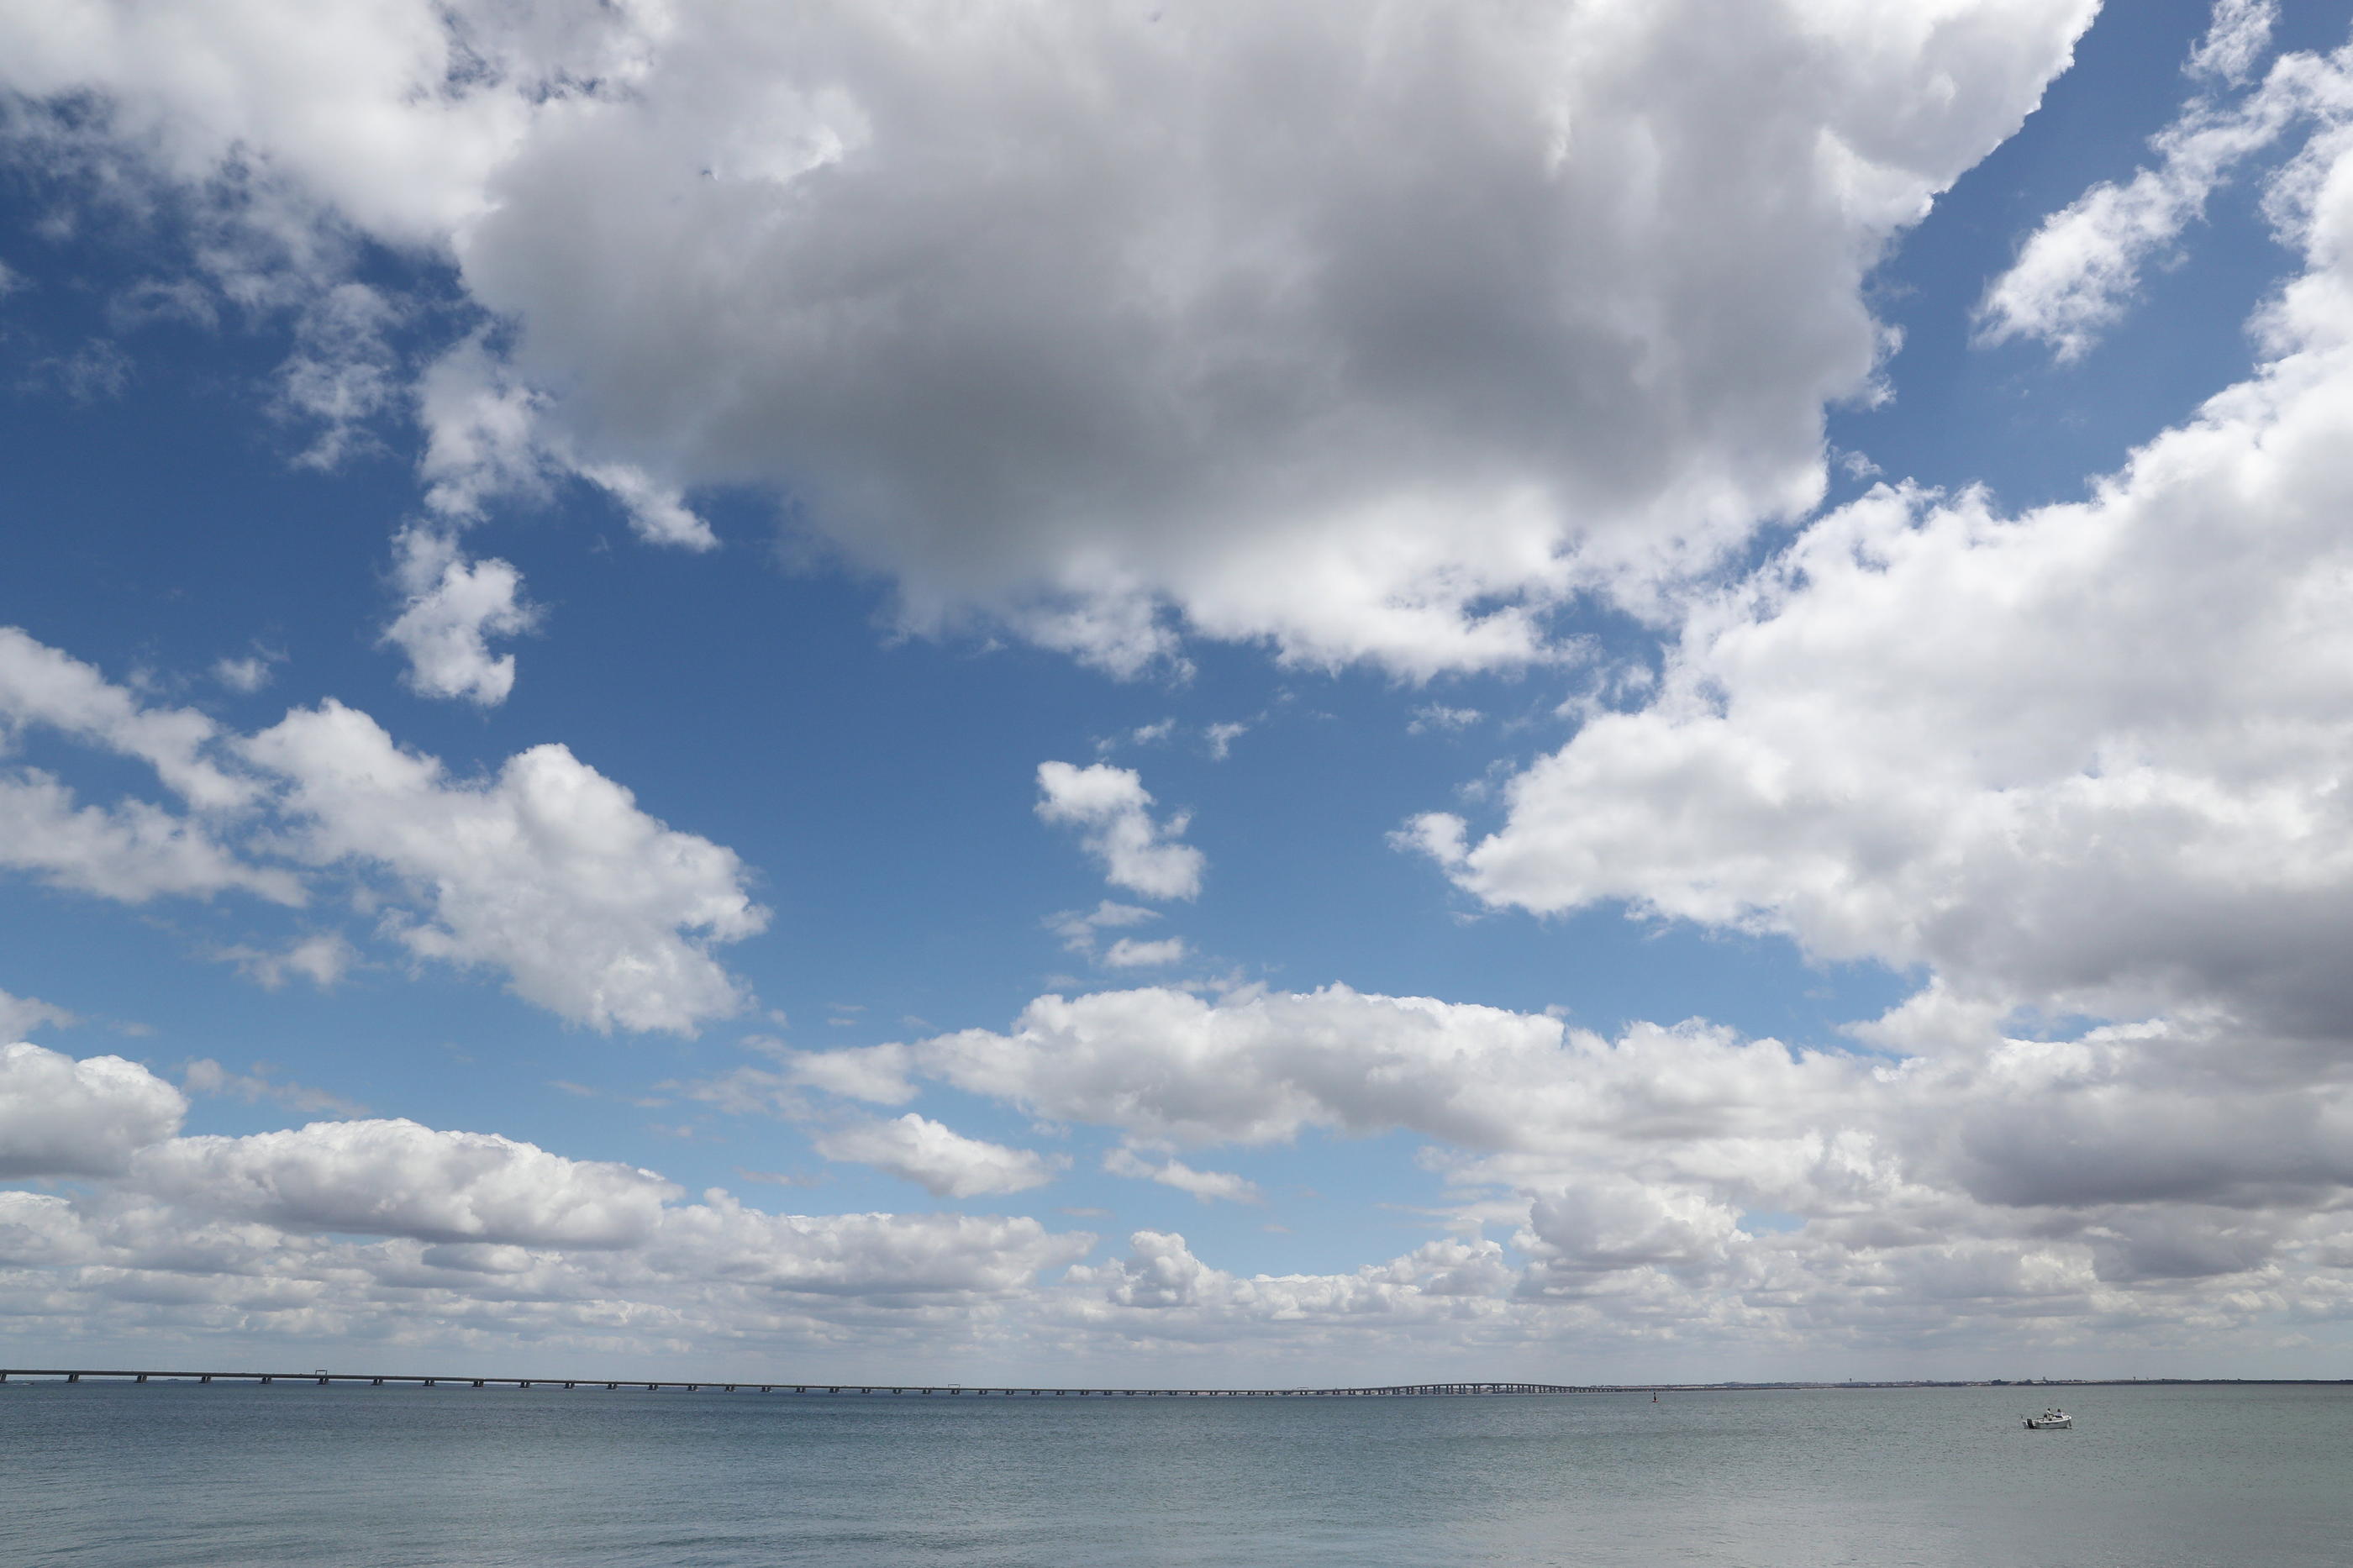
[[889, 1389]]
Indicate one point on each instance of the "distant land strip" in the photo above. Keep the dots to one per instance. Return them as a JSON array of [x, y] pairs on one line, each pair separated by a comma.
[[996, 1390]]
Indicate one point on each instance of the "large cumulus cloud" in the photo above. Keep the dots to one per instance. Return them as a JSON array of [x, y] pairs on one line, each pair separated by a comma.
[[60, 1117], [1368, 329], [2088, 757]]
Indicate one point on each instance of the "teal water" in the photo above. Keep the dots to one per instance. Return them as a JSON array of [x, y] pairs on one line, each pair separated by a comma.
[[116, 1476]]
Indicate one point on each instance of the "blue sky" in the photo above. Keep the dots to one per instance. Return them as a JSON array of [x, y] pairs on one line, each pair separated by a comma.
[[1630, 865]]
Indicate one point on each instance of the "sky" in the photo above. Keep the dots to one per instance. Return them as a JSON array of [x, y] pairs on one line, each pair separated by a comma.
[[1178, 691]]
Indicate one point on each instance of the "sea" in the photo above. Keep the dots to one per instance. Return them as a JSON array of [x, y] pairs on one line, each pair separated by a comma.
[[164, 1475]]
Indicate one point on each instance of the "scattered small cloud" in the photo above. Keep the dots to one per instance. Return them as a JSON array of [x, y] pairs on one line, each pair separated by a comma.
[[1436, 719], [20, 1016], [936, 1158], [1112, 809], [785, 1178], [249, 674], [452, 606], [97, 372], [1078, 928], [1129, 954], [205, 1075], [1209, 1187], [589, 1091], [323, 959]]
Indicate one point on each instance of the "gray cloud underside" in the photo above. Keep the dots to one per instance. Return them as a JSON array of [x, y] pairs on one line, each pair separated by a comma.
[[1371, 330]]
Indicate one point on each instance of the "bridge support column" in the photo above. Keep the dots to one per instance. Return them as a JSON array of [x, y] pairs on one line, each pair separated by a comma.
[[73, 1377], [323, 1382], [141, 1378]]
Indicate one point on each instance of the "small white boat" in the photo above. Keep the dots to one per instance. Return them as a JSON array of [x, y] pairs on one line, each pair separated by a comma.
[[2052, 1419]]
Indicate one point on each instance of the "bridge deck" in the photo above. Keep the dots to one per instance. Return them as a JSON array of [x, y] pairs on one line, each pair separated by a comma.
[[1418, 1390], [994, 1391]]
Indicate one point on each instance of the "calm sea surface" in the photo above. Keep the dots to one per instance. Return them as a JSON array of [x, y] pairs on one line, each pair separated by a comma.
[[295, 1474]]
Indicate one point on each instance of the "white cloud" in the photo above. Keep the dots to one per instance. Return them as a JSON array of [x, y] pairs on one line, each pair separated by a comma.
[[1438, 719], [548, 870], [2137, 1185], [257, 1236], [594, 910], [59, 1116], [1446, 1281], [1058, 316], [2238, 36], [1206, 1186], [1260, 1066], [940, 1160], [130, 851], [2084, 759], [452, 607], [655, 510], [1078, 928], [19, 1016], [2003, 1185], [1128, 952], [2078, 273], [323, 958], [1931, 734], [1606, 1226], [875, 1074], [39, 685], [343, 374], [1114, 812], [396, 1178], [244, 676], [204, 1075], [868, 1255]]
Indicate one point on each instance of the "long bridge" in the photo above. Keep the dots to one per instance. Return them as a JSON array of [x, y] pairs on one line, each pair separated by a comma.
[[994, 1391], [937, 1390]]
